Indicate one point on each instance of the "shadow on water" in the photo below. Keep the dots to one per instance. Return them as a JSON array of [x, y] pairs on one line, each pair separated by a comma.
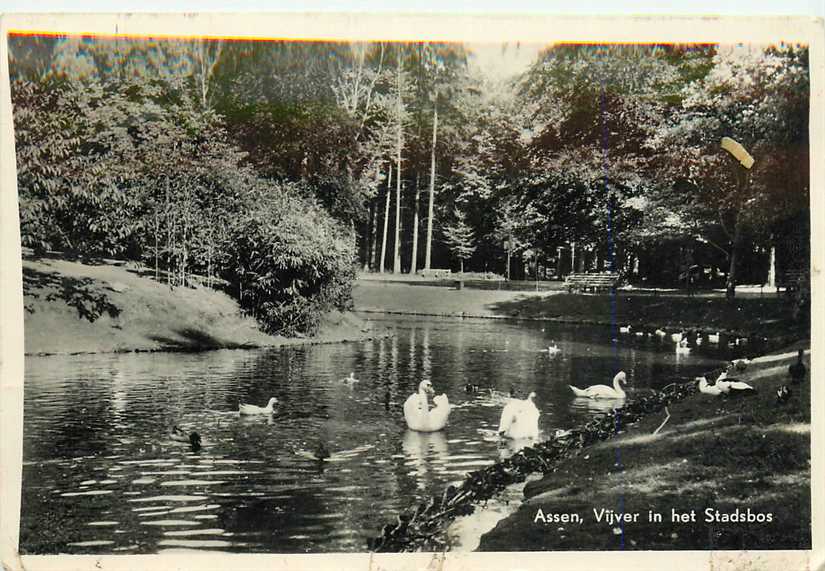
[[191, 339], [83, 294]]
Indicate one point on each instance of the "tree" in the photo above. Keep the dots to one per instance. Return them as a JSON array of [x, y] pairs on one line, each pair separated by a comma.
[[759, 97], [459, 238]]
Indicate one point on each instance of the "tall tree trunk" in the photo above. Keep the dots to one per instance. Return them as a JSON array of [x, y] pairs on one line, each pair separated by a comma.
[[157, 246], [386, 222], [428, 250], [509, 253], [396, 262], [414, 261], [730, 290]]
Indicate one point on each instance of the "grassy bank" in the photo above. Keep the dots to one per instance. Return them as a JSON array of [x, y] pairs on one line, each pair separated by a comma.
[[80, 308], [714, 453], [766, 315]]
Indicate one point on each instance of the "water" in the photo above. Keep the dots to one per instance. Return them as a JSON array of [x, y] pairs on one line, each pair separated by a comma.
[[101, 475]]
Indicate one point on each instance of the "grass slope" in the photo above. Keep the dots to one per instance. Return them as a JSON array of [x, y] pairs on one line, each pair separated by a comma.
[[714, 452], [80, 308]]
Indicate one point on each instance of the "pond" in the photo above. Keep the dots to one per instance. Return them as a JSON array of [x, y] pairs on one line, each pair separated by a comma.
[[101, 475]]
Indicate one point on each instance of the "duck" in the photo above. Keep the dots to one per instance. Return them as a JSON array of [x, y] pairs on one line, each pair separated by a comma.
[[740, 364], [254, 409], [625, 329], [192, 438], [603, 391], [783, 393], [418, 414], [707, 389], [714, 338], [698, 341], [520, 419], [320, 453], [797, 370], [351, 380], [729, 385], [640, 334]]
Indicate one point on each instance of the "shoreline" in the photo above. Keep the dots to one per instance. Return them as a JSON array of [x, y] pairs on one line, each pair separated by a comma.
[[591, 449], [72, 308]]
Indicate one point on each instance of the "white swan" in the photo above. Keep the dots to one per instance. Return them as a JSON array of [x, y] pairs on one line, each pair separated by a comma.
[[682, 347], [417, 411], [714, 338], [254, 409], [625, 328], [677, 337], [660, 334], [520, 419], [603, 391], [707, 389]]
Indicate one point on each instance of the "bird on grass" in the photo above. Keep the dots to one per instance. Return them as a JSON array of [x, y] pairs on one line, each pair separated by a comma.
[[798, 370], [731, 386], [783, 393], [707, 389]]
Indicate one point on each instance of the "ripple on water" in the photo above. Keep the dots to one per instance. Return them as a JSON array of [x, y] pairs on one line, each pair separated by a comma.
[[170, 522], [179, 498], [190, 532]]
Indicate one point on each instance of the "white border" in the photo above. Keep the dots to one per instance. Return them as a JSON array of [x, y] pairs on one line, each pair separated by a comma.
[[352, 26]]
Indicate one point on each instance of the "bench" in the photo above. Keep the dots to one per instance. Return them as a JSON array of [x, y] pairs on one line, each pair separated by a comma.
[[594, 282], [790, 280], [438, 274]]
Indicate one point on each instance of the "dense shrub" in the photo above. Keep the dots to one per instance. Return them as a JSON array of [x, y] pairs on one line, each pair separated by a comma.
[[289, 262], [137, 170]]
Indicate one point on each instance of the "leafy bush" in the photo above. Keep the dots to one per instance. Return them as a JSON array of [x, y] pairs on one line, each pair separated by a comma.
[[289, 262]]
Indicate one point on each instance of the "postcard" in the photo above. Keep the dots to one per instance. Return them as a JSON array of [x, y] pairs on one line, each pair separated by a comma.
[[395, 291]]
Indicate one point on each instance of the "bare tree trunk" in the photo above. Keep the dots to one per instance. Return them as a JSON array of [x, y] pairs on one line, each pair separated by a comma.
[[157, 246], [386, 222], [730, 290], [396, 263], [414, 261], [428, 250]]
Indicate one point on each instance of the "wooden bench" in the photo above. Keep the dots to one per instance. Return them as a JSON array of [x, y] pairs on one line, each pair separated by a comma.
[[790, 280], [438, 274], [594, 282]]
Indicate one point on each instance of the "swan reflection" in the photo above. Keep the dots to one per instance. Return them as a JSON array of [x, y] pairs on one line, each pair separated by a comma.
[[426, 452], [596, 405]]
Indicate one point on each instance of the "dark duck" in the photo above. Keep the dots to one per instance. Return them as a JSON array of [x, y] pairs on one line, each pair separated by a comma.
[[798, 370]]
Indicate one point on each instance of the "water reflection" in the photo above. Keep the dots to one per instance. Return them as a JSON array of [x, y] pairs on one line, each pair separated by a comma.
[[427, 453], [101, 474]]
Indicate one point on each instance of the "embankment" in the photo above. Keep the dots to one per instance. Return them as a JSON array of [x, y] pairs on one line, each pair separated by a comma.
[[80, 308], [723, 473], [766, 315]]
